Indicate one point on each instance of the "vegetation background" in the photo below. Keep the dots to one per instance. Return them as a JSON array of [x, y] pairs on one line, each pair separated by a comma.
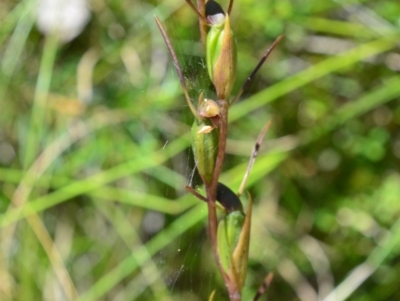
[[94, 151]]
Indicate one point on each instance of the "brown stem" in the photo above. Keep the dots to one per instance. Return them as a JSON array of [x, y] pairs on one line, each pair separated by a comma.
[[196, 194], [223, 128], [211, 190], [264, 286], [177, 66], [230, 7], [201, 7]]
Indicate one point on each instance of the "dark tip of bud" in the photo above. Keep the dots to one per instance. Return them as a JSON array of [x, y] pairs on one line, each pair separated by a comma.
[[213, 8], [228, 199]]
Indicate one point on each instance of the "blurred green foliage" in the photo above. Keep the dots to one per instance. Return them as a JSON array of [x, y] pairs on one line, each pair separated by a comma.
[[94, 153]]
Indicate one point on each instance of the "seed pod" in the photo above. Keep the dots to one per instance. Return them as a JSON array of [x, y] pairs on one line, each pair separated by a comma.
[[205, 147], [221, 55]]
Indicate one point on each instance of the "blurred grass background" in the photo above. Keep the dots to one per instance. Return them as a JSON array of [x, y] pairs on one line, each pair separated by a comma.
[[94, 151]]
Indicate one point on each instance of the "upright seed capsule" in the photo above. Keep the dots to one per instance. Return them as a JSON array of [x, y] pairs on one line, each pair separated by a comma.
[[205, 147]]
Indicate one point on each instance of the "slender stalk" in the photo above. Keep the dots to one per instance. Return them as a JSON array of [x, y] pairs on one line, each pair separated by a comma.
[[230, 7], [177, 67], [264, 286], [211, 194], [254, 154], [254, 72], [201, 7]]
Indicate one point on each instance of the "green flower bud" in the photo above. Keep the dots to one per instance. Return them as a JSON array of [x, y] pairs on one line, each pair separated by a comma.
[[221, 58]]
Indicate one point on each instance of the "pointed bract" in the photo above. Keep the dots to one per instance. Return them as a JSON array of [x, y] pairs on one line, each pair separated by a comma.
[[241, 253]]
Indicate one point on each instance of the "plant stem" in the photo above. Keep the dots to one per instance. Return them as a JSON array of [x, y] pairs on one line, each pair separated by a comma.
[[201, 7], [211, 190]]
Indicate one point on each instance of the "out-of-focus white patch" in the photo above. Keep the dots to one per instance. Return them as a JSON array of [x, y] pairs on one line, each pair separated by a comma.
[[216, 19], [153, 222], [65, 17]]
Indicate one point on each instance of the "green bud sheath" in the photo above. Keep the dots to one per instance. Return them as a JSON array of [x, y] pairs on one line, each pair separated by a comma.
[[228, 234], [205, 148], [233, 239], [221, 58]]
